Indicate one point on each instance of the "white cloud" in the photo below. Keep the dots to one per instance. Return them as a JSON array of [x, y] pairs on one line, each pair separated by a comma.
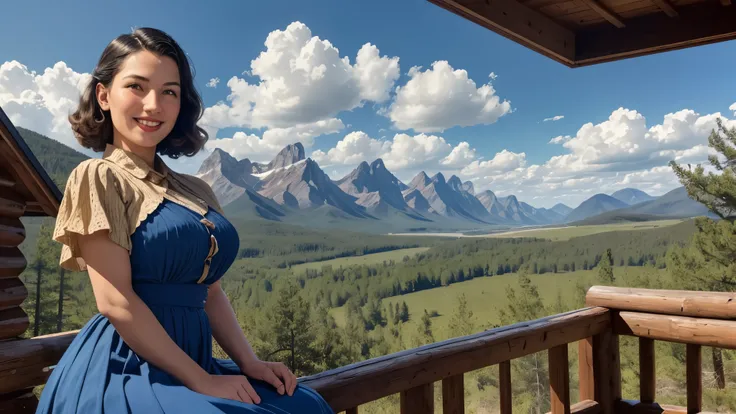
[[733, 108], [242, 145], [554, 118], [493, 76], [503, 162], [303, 79], [616, 153], [42, 102], [213, 82], [403, 154], [304, 133], [442, 97], [560, 139], [459, 157], [355, 148]]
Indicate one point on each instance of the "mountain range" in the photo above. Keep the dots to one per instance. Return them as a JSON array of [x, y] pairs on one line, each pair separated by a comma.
[[294, 187]]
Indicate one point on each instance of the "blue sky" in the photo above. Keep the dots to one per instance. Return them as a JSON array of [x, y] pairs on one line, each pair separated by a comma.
[[222, 38]]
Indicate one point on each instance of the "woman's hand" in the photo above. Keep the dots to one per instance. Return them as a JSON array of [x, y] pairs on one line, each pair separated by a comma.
[[274, 373], [232, 387]]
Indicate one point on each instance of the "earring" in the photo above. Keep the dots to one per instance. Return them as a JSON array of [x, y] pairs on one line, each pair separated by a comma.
[[103, 117]]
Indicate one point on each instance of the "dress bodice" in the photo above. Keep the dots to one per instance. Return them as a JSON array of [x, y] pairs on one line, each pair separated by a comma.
[[170, 246]]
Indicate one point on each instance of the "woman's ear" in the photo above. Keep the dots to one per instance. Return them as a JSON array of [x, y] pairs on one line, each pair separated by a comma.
[[101, 93]]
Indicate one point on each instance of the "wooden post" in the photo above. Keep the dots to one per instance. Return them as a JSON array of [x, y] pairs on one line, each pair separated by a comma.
[[504, 387], [559, 380], [418, 400], [607, 370], [694, 374], [585, 369], [453, 395], [647, 377]]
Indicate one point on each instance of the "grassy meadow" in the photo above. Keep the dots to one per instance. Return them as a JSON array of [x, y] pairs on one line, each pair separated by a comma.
[[367, 259]]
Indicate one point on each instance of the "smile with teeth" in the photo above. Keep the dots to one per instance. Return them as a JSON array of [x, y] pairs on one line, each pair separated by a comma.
[[148, 123]]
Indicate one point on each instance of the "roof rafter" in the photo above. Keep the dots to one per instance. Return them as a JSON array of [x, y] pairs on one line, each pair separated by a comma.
[[605, 13]]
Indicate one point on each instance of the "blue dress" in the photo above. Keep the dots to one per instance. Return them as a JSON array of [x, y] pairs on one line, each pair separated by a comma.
[[100, 373]]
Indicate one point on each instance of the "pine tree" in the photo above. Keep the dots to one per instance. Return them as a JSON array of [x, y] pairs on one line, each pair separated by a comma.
[[709, 262], [290, 332], [462, 322], [40, 305], [404, 312], [605, 269], [424, 331], [525, 304]]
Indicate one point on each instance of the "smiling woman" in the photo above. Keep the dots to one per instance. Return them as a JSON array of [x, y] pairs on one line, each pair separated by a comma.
[[155, 244]]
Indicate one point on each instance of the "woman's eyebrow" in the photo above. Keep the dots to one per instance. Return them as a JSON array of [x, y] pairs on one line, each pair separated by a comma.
[[142, 78]]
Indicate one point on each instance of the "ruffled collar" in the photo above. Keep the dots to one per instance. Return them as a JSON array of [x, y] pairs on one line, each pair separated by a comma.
[[136, 165]]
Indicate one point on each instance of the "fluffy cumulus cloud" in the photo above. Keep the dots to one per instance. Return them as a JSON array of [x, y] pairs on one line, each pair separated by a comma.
[[503, 162], [442, 97], [42, 102], [619, 152], [554, 118], [404, 154], [303, 79], [213, 82], [733, 108], [262, 149]]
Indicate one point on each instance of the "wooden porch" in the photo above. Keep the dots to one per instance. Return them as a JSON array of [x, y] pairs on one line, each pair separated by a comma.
[[693, 318]]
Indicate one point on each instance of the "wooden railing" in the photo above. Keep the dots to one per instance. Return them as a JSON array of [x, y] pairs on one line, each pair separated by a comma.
[[412, 373], [693, 318]]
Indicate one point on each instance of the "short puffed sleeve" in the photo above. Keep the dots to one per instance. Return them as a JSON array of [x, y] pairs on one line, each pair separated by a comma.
[[92, 201]]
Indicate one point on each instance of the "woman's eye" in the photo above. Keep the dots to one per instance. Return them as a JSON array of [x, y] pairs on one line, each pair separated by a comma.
[[134, 85], [173, 93]]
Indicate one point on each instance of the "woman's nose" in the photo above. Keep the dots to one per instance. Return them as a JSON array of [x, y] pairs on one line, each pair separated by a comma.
[[151, 102]]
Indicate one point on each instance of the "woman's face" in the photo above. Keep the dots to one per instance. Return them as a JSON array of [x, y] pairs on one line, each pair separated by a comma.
[[143, 99]]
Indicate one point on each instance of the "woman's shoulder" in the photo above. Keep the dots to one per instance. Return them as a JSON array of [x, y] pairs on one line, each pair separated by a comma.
[[95, 171]]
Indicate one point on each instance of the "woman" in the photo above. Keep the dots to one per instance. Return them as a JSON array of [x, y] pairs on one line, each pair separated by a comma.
[[155, 244]]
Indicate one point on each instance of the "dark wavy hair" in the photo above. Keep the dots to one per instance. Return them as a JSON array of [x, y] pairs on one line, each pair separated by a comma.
[[186, 138]]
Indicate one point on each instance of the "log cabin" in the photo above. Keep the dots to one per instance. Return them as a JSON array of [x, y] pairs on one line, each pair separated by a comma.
[[574, 33]]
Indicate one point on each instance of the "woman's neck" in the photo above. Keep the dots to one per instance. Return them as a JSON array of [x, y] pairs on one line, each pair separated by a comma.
[[147, 154]]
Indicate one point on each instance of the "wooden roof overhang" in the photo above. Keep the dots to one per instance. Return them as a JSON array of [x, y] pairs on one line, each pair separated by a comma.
[[586, 32], [22, 178]]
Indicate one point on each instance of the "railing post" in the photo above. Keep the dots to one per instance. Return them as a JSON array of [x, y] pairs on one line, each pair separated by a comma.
[[559, 380], [418, 400], [647, 377], [504, 386], [693, 361], [606, 370], [453, 395], [586, 374]]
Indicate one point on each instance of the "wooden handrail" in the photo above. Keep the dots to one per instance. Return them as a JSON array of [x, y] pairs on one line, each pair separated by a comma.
[[717, 305], [409, 371]]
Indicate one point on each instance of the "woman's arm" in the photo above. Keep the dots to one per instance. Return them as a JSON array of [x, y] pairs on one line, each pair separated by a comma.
[[227, 332], [226, 329], [109, 270]]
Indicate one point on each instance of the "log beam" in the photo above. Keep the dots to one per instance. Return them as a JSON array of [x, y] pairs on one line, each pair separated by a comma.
[[681, 329], [716, 305]]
